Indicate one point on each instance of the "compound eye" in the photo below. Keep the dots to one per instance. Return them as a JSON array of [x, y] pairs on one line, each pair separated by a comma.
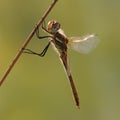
[[57, 26], [53, 26]]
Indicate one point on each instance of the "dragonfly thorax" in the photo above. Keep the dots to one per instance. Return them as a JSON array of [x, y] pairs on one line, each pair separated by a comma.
[[53, 27]]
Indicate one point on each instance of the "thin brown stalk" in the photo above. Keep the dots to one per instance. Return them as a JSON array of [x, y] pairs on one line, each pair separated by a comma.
[[20, 51]]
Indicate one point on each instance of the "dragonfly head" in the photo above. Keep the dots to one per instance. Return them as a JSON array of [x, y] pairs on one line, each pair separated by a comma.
[[53, 26]]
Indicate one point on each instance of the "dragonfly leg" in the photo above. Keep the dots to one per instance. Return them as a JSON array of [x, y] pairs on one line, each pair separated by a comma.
[[39, 54], [38, 34], [43, 27]]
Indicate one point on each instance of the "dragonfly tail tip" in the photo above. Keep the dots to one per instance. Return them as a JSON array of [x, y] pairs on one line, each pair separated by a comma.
[[78, 106]]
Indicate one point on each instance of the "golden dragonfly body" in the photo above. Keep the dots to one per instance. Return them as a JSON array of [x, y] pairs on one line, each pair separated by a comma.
[[61, 42]]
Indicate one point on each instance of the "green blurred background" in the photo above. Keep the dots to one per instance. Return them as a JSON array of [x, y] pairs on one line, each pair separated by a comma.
[[37, 88]]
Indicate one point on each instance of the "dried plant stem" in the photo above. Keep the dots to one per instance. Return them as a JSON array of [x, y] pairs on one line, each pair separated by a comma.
[[20, 51]]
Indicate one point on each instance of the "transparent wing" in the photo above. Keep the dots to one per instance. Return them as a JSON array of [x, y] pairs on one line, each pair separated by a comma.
[[62, 32], [84, 44]]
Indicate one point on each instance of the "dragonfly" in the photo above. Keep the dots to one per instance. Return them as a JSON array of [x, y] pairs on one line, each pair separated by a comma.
[[61, 43]]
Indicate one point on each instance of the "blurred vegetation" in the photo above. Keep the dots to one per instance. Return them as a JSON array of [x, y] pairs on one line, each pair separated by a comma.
[[37, 88]]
